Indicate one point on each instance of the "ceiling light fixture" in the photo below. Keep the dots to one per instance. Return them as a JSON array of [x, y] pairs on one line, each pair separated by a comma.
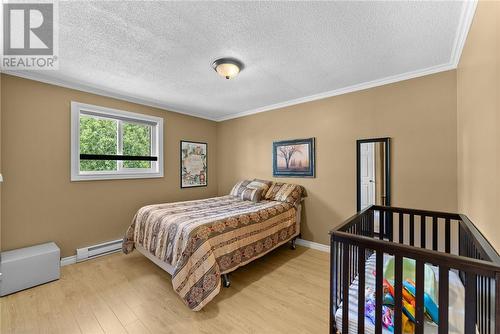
[[227, 67]]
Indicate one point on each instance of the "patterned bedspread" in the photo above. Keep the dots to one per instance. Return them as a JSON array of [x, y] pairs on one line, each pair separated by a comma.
[[203, 239]]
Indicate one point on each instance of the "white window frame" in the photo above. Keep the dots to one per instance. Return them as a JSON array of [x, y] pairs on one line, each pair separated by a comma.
[[156, 123]]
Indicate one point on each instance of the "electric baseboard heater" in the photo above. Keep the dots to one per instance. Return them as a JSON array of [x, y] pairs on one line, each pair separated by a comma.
[[87, 253]]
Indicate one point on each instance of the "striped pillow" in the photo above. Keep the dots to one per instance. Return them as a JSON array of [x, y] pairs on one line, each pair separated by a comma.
[[285, 192], [263, 185], [250, 194], [239, 187]]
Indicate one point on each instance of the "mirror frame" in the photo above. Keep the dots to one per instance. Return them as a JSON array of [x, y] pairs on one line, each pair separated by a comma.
[[387, 141]]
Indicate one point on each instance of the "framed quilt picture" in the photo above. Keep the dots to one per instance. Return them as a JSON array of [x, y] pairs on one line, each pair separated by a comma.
[[294, 158], [194, 164]]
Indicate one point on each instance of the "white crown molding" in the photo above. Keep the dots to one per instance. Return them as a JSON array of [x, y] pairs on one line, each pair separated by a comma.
[[66, 261], [460, 38], [31, 75], [345, 90], [466, 19], [313, 245]]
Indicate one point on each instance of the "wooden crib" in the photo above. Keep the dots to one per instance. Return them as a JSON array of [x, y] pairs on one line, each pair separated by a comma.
[[447, 240]]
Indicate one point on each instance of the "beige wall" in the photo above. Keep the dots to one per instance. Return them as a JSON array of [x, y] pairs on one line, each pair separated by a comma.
[[478, 92], [419, 115], [39, 203], [1, 160]]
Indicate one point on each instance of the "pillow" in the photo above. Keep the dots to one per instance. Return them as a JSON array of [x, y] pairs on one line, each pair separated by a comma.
[[239, 187], [285, 192], [263, 185], [250, 194]]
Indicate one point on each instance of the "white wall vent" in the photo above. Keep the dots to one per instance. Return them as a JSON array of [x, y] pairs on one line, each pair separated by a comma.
[[87, 253]]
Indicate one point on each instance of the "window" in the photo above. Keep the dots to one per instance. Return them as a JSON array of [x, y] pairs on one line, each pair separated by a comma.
[[114, 144]]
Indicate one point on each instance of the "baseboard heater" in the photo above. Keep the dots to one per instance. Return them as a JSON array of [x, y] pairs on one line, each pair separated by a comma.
[[87, 253]]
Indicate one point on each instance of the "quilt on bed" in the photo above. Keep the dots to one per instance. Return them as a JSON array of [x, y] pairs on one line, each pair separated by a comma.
[[203, 239]]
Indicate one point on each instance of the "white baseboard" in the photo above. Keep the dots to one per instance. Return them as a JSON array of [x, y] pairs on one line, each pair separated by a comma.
[[313, 245], [68, 260], [65, 261]]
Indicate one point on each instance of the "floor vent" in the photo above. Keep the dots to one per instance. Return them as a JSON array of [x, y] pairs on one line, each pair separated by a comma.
[[87, 253]]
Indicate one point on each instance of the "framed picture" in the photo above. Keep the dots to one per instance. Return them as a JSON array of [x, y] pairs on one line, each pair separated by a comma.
[[294, 158], [194, 164]]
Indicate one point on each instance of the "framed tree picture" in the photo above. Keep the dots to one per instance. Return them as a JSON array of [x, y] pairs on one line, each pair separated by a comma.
[[294, 158], [194, 164]]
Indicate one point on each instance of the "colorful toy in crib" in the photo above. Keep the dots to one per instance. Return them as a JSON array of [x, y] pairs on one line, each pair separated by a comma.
[[430, 307], [387, 313], [408, 307], [408, 316]]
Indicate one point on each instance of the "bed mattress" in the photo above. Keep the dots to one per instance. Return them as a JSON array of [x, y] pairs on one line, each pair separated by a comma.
[[456, 303]]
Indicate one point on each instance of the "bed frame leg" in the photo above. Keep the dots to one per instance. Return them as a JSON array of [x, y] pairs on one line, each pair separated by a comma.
[[225, 280], [293, 243]]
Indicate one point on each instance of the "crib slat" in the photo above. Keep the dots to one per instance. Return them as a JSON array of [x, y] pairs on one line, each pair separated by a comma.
[[362, 226], [443, 299], [379, 271], [434, 233], [412, 230], [447, 235], [488, 305], [419, 298], [381, 225], [422, 231], [341, 273], [361, 290], [372, 223], [497, 303], [333, 281], [351, 264], [398, 294], [345, 289], [470, 302], [389, 229], [460, 241], [401, 227], [481, 303]]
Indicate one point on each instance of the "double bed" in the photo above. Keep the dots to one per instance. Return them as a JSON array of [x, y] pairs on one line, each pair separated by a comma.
[[198, 241]]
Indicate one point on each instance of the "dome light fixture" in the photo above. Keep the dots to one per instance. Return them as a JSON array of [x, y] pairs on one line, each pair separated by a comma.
[[227, 67]]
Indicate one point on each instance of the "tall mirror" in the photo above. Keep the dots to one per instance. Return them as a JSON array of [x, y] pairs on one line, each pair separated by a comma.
[[373, 172]]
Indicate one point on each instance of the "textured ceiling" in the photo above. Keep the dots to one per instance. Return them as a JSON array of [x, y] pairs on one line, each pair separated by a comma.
[[160, 53]]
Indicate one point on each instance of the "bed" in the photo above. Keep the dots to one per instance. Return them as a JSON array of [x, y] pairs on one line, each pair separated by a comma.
[[465, 266], [198, 241]]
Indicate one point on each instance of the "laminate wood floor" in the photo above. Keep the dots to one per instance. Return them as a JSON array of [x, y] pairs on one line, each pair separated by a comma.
[[283, 292]]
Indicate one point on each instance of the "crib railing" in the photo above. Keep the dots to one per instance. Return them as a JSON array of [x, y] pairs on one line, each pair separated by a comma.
[[446, 240]]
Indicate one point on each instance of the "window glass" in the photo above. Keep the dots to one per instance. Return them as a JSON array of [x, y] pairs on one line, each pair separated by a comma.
[[98, 136], [114, 144], [136, 142]]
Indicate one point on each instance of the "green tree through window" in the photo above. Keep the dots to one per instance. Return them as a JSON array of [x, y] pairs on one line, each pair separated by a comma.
[[98, 136], [136, 141], [101, 133]]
